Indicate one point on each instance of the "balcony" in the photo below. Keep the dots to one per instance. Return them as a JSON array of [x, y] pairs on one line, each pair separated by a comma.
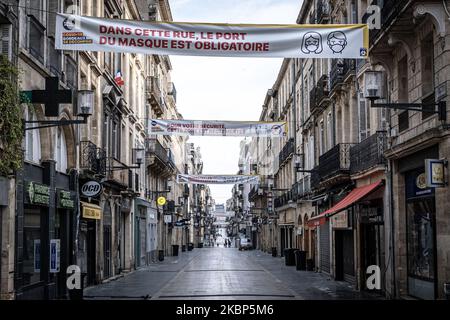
[[390, 10], [335, 162], [154, 95], [121, 177], [93, 159], [323, 11], [319, 94], [368, 153], [287, 152], [341, 69], [160, 158], [303, 186]]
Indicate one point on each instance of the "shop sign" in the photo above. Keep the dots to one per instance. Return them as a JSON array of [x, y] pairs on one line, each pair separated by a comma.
[[167, 218], [66, 199], [91, 189], [416, 185], [161, 201], [435, 173], [91, 212], [38, 194], [371, 215], [340, 220], [55, 246]]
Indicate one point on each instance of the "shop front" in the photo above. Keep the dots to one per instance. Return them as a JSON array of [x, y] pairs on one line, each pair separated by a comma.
[[45, 219], [420, 235], [344, 253], [141, 212], [87, 243]]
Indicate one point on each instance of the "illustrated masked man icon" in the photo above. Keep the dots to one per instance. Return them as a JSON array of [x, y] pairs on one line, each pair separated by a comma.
[[337, 41]]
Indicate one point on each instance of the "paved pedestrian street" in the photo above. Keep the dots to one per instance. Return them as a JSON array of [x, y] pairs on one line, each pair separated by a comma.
[[225, 274]]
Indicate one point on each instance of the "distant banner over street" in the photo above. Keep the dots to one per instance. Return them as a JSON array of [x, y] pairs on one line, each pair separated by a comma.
[[217, 128], [217, 179], [83, 33]]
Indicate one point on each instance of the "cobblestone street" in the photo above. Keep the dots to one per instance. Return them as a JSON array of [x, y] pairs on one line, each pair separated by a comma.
[[224, 273]]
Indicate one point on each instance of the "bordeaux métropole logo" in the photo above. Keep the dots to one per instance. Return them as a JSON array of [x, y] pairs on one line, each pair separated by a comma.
[[69, 23]]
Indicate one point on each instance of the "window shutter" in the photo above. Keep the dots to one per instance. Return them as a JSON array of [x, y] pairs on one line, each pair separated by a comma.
[[51, 21], [5, 48], [362, 119]]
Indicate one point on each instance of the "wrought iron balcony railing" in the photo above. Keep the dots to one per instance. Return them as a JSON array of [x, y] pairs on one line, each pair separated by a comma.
[[165, 156], [93, 159], [154, 95], [287, 151], [368, 153], [340, 70], [335, 161], [319, 94], [323, 11], [390, 10]]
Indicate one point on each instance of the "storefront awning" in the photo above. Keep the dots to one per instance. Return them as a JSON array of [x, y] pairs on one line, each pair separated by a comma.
[[354, 196]]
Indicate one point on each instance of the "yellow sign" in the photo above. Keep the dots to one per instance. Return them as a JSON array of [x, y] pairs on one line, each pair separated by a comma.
[[91, 211], [161, 201]]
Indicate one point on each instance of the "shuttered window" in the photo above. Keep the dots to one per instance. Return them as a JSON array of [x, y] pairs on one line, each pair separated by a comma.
[[5, 44], [325, 248]]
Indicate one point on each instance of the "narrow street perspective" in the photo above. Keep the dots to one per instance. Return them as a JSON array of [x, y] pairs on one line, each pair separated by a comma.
[[225, 273]]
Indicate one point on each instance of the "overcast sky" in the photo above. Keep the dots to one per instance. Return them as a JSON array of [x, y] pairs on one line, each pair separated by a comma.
[[211, 88]]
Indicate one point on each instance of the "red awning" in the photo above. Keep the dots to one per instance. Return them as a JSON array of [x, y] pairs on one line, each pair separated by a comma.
[[354, 196]]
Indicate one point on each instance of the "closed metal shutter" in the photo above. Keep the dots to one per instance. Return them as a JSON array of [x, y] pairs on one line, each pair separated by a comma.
[[325, 248]]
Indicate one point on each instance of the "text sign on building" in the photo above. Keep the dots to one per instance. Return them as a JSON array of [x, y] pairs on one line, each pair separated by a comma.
[[65, 199], [435, 173], [340, 220], [84, 33], [37, 194], [167, 218], [91, 189], [91, 212], [54, 255]]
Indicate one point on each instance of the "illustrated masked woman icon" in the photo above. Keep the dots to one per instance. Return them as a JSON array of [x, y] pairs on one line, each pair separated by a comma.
[[312, 43]]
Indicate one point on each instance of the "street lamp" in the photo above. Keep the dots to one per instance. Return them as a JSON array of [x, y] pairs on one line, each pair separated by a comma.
[[85, 102], [137, 158], [374, 90]]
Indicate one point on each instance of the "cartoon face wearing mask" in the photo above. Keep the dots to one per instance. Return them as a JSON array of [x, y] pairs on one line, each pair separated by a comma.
[[312, 43], [337, 41]]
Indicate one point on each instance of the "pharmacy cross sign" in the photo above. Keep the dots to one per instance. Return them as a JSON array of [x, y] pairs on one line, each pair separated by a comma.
[[51, 97]]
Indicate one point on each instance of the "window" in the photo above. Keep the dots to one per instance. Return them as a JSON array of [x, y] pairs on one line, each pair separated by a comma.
[[31, 246], [402, 80], [322, 138], [427, 69], [5, 43], [364, 118], [115, 140], [403, 120], [32, 139], [36, 39], [61, 151], [330, 141], [71, 72], [427, 65], [54, 62]]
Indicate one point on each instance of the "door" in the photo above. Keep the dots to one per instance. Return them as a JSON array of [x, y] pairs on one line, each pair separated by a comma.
[[325, 247], [90, 254], [344, 256], [107, 252], [282, 241]]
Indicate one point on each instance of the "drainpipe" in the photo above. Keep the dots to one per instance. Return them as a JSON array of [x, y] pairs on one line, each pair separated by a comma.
[[391, 208]]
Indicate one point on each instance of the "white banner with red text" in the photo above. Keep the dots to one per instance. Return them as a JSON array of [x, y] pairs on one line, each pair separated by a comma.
[[217, 179], [82, 33], [217, 128]]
